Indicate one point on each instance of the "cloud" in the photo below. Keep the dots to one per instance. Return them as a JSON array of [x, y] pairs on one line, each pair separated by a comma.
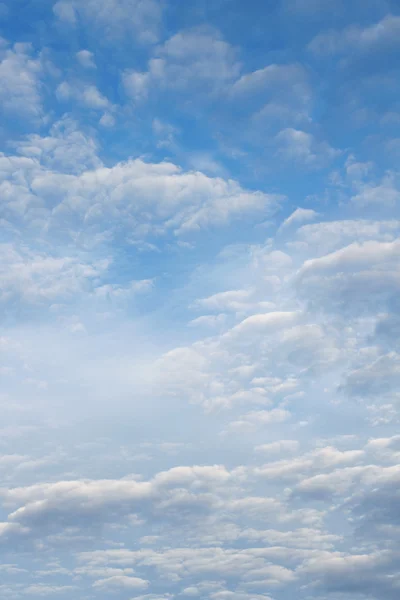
[[124, 292], [35, 278], [43, 590], [375, 379], [299, 468], [208, 321], [85, 94], [262, 323], [302, 149], [48, 508], [385, 194], [196, 562], [86, 59], [65, 149], [300, 215], [240, 301], [383, 35], [278, 447], [114, 18], [65, 11], [144, 199], [359, 275], [258, 419], [21, 88], [199, 400], [121, 582], [196, 61], [326, 236], [273, 95]]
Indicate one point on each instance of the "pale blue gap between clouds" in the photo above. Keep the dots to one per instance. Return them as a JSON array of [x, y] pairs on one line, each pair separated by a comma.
[[200, 267]]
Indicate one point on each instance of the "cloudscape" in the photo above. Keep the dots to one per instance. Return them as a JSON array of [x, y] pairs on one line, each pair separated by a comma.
[[200, 300]]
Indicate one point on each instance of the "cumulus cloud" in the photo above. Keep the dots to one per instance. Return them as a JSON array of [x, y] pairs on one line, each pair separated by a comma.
[[384, 194], [65, 149], [35, 278], [86, 59], [302, 149], [274, 95], [46, 508], [377, 37], [85, 94], [358, 275], [113, 18], [21, 89], [193, 60], [143, 198]]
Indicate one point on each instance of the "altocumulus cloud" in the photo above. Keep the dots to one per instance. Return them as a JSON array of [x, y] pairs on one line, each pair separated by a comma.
[[199, 283]]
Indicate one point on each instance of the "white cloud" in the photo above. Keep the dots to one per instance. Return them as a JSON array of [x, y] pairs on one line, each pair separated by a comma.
[[386, 194], [375, 379], [262, 323], [136, 84], [355, 256], [282, 446], [121, 582], [35, 278], [86, 94], [196, 61], [240, 301], [381, 35], [86, 59], [143, 198], [40, 589], [358, 275], [324, 237], [107, 120], [65, 11], [208, 321], [114, 18], [61, 503], [301, 148], [65, 148], [258, 419], [276, 95], [21, 87], [292, 350], [300, 215]]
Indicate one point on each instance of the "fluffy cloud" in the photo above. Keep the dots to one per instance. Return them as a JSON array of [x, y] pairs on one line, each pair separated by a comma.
[[380, 36], [142, 198], [301, 148], [274, 95], [20, 73], [86, 94], [86, 59], [60, 505], [65, 149], [358, 276], [35, 278], [194, 60], [113, 18]]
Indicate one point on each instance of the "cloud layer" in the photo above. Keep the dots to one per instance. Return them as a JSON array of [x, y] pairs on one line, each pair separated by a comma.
[[199, 283]]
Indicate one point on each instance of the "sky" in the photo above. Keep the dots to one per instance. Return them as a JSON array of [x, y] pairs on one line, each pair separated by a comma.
[[199, 293]]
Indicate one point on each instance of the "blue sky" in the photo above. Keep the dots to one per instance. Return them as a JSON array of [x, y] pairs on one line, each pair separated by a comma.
[[199, 288]]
